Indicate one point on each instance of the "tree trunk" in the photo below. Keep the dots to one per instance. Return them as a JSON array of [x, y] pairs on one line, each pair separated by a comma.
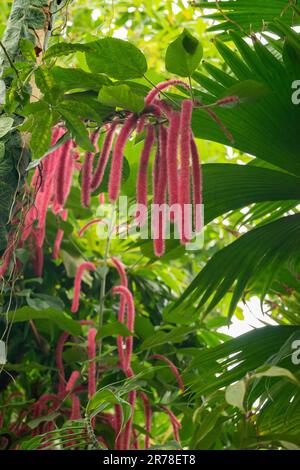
[[32, 20]]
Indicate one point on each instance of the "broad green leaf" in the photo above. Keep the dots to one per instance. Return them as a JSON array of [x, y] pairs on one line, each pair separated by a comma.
[[77, 129], [41, 133], [62, 320], [176, 335], [113, 329], [60, 141], [64, 48], [6, 124], [45, 82], [80, 109], [235, 394], [117, 58], [121, 96], [27, 49], [184, 55], [76, 78]]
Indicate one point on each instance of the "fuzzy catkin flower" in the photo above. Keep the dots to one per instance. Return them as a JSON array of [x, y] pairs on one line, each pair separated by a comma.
[[38, 262], [59, 236], [162, 86], [7, 256], [135, 444], [197, 187], [117, 158], [72, 380], [122, 273], [77, 283], [75, 413], [92, 365], [172, 367], [64, 172], [184, 179], [118, 427], [59, 362], [124, 292], [172, 150], [142, 180], [104, 156], [121, 270], [159, 196], [86, 173]]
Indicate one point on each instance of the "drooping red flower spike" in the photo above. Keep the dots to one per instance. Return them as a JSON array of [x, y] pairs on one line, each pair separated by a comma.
[[118, 427], [172, 163], [124, 292], [104, 156], [75, 413], [159, 196], [121, 270], [135, 444], [184, 180], [172, 367], [122, 273], [86, 175], [92, 364], [142, 180], [64, 172], [59, 236], [59, 362], [38, 262], [72, 380], [77, 283], [117, 158], [7, 256]]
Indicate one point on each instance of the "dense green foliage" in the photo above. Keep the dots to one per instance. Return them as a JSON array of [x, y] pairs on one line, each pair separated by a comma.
[[98, 62]]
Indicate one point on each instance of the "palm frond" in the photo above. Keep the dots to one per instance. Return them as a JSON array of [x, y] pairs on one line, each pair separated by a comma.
[[266, 129], [250, 16], [260, 252]]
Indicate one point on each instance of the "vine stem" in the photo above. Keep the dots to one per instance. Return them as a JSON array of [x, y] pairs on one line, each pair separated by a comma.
[[103, 280], [9, 59]]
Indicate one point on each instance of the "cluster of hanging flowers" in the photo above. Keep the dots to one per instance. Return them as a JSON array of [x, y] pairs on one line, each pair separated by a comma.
[[49, 189], [176, 182], [126, 436], [176, 166]]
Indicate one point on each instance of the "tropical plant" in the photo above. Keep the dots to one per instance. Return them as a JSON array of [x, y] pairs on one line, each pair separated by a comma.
[[118, 342]]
